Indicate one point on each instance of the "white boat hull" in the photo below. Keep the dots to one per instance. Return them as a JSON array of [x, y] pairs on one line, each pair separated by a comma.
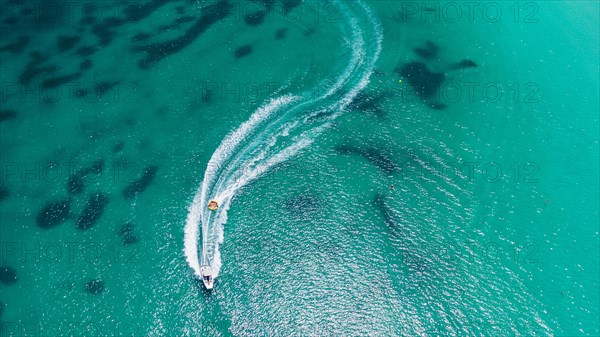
[[207, 276]]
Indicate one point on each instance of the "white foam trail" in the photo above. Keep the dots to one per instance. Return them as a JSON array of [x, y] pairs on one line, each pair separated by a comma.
[[196, 213], [233, 140], [257, 146], [191, 232]]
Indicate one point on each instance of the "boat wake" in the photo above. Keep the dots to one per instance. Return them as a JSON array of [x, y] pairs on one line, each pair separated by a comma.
[[274, 133]]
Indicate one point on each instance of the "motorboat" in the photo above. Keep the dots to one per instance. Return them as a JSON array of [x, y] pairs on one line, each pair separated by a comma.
[[207, 276], [206, 272]]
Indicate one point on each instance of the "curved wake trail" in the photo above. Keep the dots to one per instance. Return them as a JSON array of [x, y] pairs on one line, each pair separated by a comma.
[[276, 132]]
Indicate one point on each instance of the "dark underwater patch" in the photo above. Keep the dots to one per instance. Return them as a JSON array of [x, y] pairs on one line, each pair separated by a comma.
[[242, 51], [1, 308], [211, 14], [33, 69], [370, 103], [8, 275], [141, 37], [104, 31], [6, 115], [126, 232], [85, 65], [428, 52], [76, 182], [94, 208], [208, 95], [95, 287], [60, 80], [80, 93], [97, 167], [309, 31], [256, 18], [388, 216], [281, 33], [66, 42], [86, 51], [376, 156], [54, 213], [289, 5], [118, 147], [130, 239], [423, 81], [176, 24], [98, 90], [104, 86], [18, 46], [126, 229], [4, 193], [464, 64], [438, 106], [141, 184], [137, 12]]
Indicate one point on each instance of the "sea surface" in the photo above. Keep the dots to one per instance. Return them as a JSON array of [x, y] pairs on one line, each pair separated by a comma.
[[383, 168]]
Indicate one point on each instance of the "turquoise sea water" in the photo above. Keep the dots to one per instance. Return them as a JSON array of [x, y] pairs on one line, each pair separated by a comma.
[[119, 122]]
